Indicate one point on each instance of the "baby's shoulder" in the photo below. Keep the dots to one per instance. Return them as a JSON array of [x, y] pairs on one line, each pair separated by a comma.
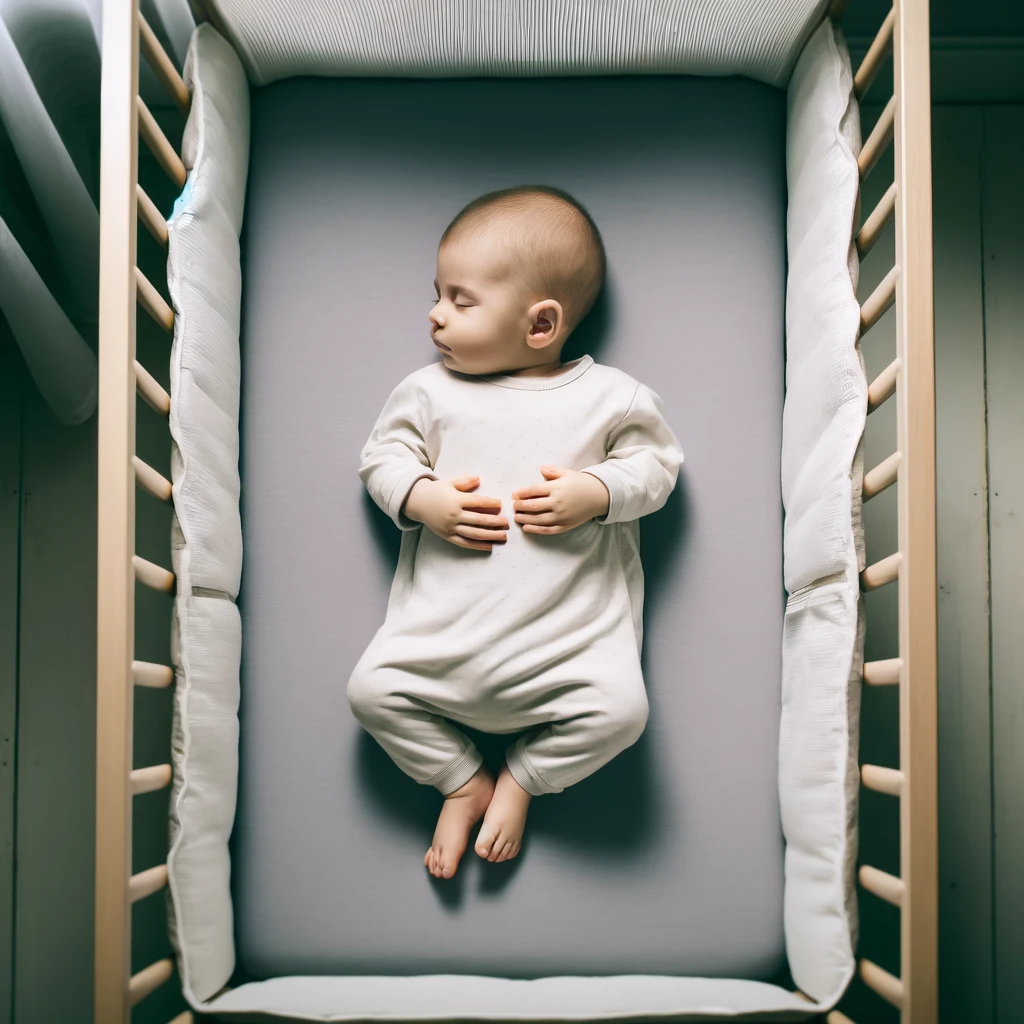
[[612, 379]]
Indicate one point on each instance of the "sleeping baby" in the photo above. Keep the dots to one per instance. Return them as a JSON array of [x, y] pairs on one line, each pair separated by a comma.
[[533, 628]]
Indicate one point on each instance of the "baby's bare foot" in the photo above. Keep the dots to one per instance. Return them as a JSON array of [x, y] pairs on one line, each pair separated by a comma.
[[461, 811], [501, 834]]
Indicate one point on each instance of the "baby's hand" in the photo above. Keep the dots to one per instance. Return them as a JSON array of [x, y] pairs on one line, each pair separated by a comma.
[[468, 521], [568, 499]]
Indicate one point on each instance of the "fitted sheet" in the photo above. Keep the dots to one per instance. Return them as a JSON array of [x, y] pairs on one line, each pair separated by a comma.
[[669, 860]]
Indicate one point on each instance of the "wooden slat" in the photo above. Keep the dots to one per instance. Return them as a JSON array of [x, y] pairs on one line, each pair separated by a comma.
[[837, 1017], [115, 443], [882, 476], [183, 1018], [879, 217], [148, 980], [151, 218], [151, 675], [879, 301], [915, 438], [882, 573], [883, 673], [159, 145], [153, 576], [145, 883], [879, 49], [163, 67], [149, 780], [153, 302], [151, 481], [881, 884], [150, 391], [882, 780], [889, 987], [883, 386], [880, 137]]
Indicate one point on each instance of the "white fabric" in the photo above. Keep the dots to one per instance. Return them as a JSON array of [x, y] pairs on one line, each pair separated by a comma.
[[823, 422], [204, 277], [501, 640], [464, 997], [453, 38]]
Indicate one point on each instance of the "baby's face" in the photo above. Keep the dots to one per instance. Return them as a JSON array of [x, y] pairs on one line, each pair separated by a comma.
[[480, 320]]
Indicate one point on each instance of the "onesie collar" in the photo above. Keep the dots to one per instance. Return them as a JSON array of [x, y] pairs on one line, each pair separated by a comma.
[[570, 372]]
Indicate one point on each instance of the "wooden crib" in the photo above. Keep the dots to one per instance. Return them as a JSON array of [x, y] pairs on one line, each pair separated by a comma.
[[909, 378]]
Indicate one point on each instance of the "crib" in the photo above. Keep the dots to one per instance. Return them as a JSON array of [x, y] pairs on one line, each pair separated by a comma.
[[592, 986]]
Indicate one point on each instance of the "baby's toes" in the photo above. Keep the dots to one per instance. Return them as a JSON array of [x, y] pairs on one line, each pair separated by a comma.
[[496, 848], [484, 844]]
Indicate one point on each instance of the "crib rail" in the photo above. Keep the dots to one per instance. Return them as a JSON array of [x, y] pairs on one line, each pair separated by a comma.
[[905, 123], [122, 288], [911, 469]]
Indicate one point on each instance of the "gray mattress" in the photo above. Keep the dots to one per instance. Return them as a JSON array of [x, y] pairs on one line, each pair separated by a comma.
[[669, 860]]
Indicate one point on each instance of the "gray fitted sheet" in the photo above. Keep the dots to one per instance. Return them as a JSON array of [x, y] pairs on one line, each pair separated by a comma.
[[669, 860]]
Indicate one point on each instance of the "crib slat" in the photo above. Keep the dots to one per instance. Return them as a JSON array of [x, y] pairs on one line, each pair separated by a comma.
[[150, 216], [882, 476], [151, 481], [145, 883], [159, 145], [882, 387], [151, 675], [183, 1018], [879, 49], [883, 673], [153, 576], [149, 780], [882, 780], [151, 392], [872, 228], [837, 1017], [881, 884], [153, 302], [148, 980], [879, 301], [880, 137], [163, 67], [888, 986], [881, 573]]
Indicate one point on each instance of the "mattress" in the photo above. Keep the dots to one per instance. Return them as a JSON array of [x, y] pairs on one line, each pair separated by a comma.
[[669, 860]]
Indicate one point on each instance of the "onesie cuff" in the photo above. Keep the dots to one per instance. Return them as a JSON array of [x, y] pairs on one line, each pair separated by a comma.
[[458, 772], [610, 479], [401, 491], [523, 772]]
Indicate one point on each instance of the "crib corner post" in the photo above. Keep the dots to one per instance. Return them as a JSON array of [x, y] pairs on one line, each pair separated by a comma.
[[917, 513], [116, 510]]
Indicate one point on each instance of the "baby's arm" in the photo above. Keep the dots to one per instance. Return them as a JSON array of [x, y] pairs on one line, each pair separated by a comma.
[[395, 456], [643, 461]]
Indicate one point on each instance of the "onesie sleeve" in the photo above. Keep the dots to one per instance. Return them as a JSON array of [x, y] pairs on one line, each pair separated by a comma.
[[395, 456], [643, 461]]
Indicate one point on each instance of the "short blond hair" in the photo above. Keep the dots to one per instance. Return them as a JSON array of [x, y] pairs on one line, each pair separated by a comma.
[[553, 245]]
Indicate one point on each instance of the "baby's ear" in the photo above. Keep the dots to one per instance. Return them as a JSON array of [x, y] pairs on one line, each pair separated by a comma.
[[546, 321]]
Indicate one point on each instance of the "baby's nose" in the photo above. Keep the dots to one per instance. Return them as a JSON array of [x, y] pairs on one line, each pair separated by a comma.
[[435, 318]]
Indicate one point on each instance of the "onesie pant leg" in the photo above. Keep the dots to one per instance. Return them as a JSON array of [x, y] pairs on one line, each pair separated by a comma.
[[412, 732], [608, 718]]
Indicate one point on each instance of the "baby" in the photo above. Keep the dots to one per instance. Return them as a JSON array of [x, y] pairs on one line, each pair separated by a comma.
[[537, 628]]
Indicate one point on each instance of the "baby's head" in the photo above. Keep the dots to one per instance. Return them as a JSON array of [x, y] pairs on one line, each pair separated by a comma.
[[517, 270]]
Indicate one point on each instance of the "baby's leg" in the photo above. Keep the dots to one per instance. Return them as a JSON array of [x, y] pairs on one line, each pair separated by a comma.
[[428, 749], [600, 722]]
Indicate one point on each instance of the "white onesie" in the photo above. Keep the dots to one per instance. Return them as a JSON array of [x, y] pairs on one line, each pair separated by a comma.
[[543, 633]]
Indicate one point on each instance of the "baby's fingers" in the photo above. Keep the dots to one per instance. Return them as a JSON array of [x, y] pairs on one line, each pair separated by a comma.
[[461, 542], [475, 533], [531, 528], [545, 504]]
